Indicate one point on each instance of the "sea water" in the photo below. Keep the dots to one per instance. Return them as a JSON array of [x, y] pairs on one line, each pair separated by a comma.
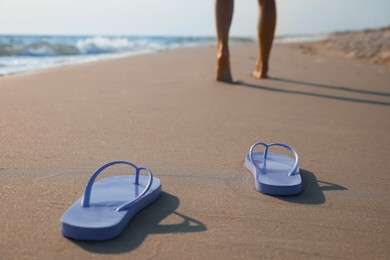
[[23, 53]]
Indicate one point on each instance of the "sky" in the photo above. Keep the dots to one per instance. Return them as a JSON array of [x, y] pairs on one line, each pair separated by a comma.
[[184, 17]]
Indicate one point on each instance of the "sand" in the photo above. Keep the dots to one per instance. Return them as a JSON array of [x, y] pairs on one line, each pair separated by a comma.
[[371, 44], [166, 112]]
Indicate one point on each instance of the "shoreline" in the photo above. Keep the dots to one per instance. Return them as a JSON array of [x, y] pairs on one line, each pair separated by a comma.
[[325, 43]]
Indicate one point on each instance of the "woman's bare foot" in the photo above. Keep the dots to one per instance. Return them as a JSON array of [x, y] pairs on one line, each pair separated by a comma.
[[260, 72], [223, 68], [259, 75]]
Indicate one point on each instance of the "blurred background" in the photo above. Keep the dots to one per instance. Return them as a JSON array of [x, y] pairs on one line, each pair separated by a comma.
[[36, 34]]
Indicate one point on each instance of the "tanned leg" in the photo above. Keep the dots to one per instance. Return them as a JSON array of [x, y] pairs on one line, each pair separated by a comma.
[[223, 15], [266, 31]]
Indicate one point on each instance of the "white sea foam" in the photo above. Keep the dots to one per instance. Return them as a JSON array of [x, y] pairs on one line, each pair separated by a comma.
[[96, 45], [28, 53]]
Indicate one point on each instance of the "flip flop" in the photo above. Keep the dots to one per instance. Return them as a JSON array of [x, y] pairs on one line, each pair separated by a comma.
[[114, 202], [275, 174]]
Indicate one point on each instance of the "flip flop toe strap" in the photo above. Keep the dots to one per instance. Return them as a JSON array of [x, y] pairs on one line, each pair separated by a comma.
[[88, 189], [267, 146]]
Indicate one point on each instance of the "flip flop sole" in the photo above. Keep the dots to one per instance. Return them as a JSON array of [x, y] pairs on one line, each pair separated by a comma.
[[101, 220], [275, 181]]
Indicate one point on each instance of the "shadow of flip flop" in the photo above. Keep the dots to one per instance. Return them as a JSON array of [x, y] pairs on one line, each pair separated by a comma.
[[145, 223], [312, 191]]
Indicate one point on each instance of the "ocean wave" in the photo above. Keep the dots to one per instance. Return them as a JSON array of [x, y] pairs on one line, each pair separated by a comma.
[[38, 49], [84, 46], [22, 53], [97, 45], [49, 46]]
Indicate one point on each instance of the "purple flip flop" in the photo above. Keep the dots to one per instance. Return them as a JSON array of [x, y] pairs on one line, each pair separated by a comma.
[[113, 203], [275, 174]]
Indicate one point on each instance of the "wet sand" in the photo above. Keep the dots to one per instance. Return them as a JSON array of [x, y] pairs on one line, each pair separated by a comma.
[[166, 112]]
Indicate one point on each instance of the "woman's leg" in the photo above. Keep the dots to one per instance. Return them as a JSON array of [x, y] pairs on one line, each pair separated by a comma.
[[266, 31], [223, 15]]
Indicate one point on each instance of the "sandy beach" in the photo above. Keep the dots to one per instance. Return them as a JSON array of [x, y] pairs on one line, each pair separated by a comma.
[[166, 112], [371, 44]]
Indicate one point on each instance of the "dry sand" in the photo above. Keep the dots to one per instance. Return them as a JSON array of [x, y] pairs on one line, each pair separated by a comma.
[[164, 111], [372, 45]]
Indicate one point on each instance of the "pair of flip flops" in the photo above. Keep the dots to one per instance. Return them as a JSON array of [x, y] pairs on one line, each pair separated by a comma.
[[117, 199]]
